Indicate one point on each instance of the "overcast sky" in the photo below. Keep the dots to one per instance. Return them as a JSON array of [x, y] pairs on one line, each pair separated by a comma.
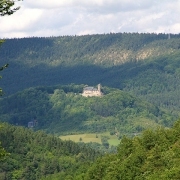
[[79, 17]]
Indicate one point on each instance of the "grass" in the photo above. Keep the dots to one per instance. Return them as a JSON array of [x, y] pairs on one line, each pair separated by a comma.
[[82, 138], [113, 140]]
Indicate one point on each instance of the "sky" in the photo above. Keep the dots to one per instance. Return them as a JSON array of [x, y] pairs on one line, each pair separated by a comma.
[[44, 18]]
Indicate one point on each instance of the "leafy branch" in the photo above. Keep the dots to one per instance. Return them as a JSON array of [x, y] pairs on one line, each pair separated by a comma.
[[6, 7]]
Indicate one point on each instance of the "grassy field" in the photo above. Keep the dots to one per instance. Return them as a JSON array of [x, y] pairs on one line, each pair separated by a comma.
[[113, 142], [112, 139]]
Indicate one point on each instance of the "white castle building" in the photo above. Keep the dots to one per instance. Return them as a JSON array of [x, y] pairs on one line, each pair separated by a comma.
[[90, 91]]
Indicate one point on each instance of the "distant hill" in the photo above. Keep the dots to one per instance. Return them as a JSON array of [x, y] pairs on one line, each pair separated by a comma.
[[146, 65], [88, 59], [101, 50], [63, 110]]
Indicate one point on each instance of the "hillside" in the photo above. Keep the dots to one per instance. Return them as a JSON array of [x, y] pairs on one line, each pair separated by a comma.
[[147, 65], [102, 50], [63, 110], [154, 155], [35, 155]]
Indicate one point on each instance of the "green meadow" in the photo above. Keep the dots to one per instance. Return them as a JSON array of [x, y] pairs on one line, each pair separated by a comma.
[[86, 138]]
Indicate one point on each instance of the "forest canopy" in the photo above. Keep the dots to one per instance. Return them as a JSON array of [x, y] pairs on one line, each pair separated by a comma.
[[63, 110], [35, 155]]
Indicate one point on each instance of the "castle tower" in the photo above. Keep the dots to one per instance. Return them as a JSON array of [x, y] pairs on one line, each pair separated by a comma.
[[99, 88]]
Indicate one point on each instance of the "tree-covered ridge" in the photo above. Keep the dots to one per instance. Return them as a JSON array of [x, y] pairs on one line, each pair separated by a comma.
[[34, 155], [104, 50], [62, 109], [154, 155], [111, 59], [157, 81]]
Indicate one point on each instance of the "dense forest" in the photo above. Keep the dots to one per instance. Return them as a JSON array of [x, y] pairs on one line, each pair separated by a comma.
[[36, 155], [63, 110], [154, 155]]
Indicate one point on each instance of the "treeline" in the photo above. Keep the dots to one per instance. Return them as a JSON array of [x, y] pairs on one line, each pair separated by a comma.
[[33, 155], [71, 50], [63, 110]]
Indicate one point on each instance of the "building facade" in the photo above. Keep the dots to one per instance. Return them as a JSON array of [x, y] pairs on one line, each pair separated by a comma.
[[90, 91]]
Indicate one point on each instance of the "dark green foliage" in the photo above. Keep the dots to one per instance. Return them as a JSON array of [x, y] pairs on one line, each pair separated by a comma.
[[62, 109], [104, 148], [35, 154], [1, 68], [154, 155], [157, 81]]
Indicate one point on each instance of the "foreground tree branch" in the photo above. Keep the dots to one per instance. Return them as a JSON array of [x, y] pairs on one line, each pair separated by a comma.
[[6, 7]]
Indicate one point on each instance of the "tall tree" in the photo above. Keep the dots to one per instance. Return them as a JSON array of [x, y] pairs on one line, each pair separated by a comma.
[[6, 8]]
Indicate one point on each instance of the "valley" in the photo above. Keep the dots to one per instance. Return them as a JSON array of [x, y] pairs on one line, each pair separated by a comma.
[[139, 74], [129, 129]]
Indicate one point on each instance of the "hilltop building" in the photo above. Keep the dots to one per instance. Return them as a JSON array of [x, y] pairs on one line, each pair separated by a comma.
[[32, 123], [90, 91]]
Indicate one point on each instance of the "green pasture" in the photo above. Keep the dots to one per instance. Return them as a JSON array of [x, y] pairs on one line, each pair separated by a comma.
[[112, 139], [113, 142]]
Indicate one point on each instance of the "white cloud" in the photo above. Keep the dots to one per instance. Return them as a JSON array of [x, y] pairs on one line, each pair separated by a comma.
[[93, 5], [28, 19], [70, 17], [175, 28]]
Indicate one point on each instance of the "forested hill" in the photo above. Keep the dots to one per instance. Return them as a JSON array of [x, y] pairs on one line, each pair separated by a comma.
[[63, 110], [105, 50], [80, 59], [34, 155], [147, 65]]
